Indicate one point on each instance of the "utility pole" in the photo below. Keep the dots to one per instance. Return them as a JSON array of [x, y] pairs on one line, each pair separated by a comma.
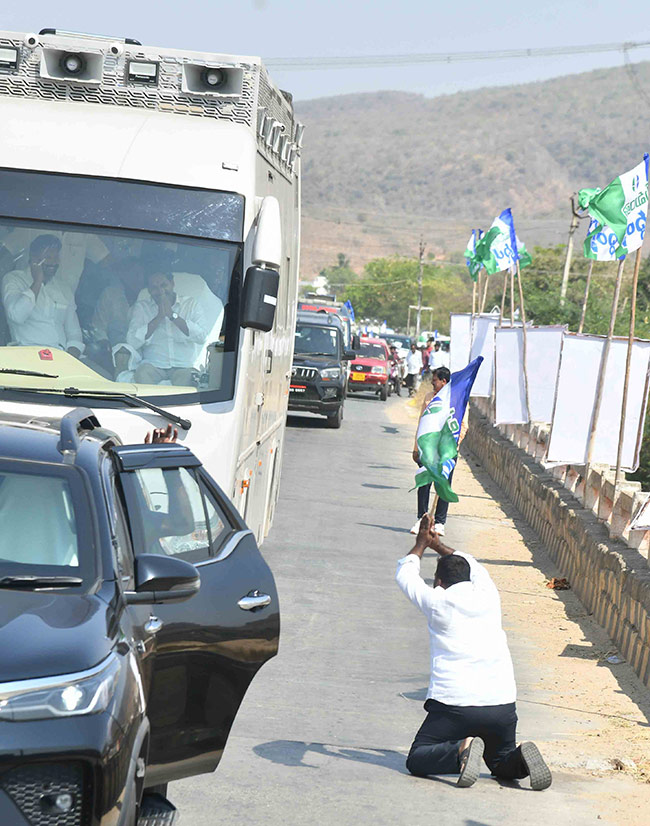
[[420, 273], [575, 220]]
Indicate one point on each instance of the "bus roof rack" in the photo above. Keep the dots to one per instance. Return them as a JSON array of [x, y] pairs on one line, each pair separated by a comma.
[[65, 33], [81, 418]]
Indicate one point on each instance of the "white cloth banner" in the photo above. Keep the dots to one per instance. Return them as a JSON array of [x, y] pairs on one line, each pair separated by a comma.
[[543, 345], [576, 395], [460, 344], [483, 345]]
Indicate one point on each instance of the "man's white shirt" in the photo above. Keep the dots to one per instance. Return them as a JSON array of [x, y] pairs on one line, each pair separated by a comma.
[[470, 660], [438, 359], [168, 346], [49, 319], [414, 362]]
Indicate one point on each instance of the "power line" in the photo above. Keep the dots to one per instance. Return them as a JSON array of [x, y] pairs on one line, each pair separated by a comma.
[[291, 64]]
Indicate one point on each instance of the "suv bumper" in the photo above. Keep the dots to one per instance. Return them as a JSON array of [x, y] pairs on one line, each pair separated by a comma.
[[319, 397], [371, 381], [88, 758]]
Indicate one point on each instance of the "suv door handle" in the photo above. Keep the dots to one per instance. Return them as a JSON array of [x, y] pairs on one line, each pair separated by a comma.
[[153, 625], [253, 600]]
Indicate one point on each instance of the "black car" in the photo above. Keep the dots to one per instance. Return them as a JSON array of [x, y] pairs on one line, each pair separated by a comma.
[[319, 372], [136, 609]]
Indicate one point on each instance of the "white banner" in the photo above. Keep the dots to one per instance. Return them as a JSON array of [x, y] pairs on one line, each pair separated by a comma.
[[483, 345], [543, 345], [460, 344], [576, 395]]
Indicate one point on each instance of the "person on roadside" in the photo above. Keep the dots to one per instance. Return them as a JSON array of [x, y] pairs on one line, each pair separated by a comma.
[[413, 367], [471, 700], [439, 378], [438, 357], [427, 350]]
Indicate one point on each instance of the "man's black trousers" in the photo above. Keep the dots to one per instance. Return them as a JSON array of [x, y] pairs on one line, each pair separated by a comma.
[[435, 748]]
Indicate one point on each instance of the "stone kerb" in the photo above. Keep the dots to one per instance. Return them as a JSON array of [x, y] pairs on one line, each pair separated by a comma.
[[611, 579]]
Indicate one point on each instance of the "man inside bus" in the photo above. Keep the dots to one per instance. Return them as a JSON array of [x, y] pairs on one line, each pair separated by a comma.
[[40, 311], [167, 330]]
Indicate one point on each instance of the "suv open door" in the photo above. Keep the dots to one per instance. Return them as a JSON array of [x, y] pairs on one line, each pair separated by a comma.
[[207, 649]]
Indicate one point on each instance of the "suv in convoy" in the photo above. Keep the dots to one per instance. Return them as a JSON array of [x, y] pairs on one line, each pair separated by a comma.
[[136, 610], [319, 371], [369, 370]]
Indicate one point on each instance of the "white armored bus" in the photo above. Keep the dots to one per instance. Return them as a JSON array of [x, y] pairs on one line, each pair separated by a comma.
[[149, 239]]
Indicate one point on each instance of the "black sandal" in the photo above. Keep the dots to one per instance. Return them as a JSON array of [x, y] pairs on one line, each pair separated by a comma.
[[470, 763]]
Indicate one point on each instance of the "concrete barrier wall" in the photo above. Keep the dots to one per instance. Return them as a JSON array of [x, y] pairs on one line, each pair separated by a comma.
[[611, 579]]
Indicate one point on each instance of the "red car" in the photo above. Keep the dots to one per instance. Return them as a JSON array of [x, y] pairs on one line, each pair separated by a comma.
[[369, 370]]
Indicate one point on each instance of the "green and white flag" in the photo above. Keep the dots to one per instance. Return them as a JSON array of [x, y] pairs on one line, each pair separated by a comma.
[[621, 210], [500, 248], [438, 445], [473, 263]]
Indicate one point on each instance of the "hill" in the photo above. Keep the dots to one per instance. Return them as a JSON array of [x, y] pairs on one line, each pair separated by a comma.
[[381, 168]]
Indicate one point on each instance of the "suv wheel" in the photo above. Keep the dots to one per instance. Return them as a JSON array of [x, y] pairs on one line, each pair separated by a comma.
[[335, 419], [383, 393]]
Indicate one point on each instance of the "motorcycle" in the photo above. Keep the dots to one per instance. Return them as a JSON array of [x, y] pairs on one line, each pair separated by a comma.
[[395, 378]]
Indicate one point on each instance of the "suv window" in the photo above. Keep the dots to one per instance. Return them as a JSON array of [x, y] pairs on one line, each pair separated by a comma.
[[312, 340], [171, 515]]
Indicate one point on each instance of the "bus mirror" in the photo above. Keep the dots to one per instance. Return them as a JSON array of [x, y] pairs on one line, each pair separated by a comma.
[[260, 298], [356, 343], [267, 246]]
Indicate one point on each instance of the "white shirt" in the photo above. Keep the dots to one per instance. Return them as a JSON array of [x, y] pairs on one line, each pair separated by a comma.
[[414, 362], [75, 248], [438, 359], [470, 660], [49, 319], [168, 347]]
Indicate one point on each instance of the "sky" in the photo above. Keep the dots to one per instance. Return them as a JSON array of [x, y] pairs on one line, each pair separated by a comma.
[[329, 28]]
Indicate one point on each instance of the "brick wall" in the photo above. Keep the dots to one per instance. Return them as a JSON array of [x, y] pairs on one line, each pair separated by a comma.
[[611, 579]]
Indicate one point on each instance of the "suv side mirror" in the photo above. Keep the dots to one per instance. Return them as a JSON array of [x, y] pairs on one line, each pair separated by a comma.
[[163, 579], [259, 299], [349, 355], [356, 343]]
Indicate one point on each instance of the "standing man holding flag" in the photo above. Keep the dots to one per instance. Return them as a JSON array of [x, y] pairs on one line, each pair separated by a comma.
[[441, 428]]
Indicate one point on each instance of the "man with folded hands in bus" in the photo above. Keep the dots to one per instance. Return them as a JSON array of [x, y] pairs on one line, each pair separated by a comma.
[[166, 329], [471, 712]]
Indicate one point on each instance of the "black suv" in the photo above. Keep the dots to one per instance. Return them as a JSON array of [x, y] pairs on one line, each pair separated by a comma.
[[136, 609], [319, 371]]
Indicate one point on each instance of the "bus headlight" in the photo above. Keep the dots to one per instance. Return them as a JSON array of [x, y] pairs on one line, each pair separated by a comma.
[[330, 373], [88, 692]]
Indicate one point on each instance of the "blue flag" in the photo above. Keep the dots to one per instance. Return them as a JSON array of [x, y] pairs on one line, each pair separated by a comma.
[[506, 217], [439, 431], [348, 307]]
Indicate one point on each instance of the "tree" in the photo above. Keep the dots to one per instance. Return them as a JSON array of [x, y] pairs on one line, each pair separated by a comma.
[[389, 285], [339, 275]]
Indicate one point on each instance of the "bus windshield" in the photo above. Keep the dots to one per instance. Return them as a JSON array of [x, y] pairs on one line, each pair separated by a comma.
[[131, 310]]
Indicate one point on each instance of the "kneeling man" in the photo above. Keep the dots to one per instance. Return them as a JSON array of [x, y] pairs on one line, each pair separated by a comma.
[[471, 697]]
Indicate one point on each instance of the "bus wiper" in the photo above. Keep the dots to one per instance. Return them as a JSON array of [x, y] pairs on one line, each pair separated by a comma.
[[27, 581], [134, 401], [15, 372]]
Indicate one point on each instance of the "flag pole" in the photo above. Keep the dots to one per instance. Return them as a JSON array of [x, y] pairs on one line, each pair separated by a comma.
[[601, 370], [628, 362], [503, 299], [524, 339], [586, 296], [474, 296], [485, 287], [512, 296]]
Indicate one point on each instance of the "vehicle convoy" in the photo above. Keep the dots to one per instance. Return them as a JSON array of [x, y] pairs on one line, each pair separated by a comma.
[[369, 370], [319, 371], [167, 186], [137, 609]]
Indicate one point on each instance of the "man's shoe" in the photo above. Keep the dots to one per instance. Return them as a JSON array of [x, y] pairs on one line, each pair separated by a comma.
[[540, 774], [470, 763], [439, 528], [415, 527]]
